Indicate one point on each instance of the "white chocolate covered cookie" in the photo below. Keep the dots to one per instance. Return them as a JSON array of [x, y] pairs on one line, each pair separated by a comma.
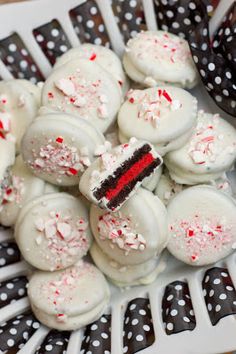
[[157, 57], [209, 153], [85, 89], [7, 159], [69, 299], [19, 102], [134, 234], [98, 54], [201, 225], [164, 116], [58, 147], [52, 231]]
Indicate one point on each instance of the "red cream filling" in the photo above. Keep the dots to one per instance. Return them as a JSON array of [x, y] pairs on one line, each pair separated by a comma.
[[130, 175]]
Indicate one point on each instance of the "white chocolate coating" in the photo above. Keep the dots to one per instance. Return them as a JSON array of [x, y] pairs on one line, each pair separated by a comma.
[[134, 234], [100, 55], [153, 57], [19, 102], [52, 231], [58, 147], [164, 116], [106, 165], [85, 89], [201, 225], [151, 182], [210, 152], [69, 299], [7, 159], [129, 275]]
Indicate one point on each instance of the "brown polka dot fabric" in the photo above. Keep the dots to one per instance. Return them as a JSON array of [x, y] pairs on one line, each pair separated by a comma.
[[9, 253], [129, 17], [12, 290], [138, 327], [177, 309], [89, 25], [97, 337], [18, 60], [55, 343], [219, 293], [52, 40]]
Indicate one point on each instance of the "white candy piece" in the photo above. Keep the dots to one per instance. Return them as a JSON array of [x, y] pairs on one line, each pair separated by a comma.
[[69, 299], [157, 57], [83, 88], [58, 147], [201, 225], [134, 234], [19, 102], [154, 115], [206, 156], [52, 231], [100, 55]]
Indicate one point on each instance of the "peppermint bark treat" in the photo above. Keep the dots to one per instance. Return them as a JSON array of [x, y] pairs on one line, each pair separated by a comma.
[[52, 231], [164, 116], [7, 159], [210, 152], [83, 88], [23, 187], [134, 234], [201, 225], [58, 147], [127, 275], [69, 299], [157, 57], [98, 54], [115, 175], [19, 102]]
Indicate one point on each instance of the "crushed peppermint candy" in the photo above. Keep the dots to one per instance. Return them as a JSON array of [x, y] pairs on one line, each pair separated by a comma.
[[60, 158], [153, 105], [5, 124], [201, 236], [14, 191], [119, 230], [84, 95], [207, 143], [66, 237]]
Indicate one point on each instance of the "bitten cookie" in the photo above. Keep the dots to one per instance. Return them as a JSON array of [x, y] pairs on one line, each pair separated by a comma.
[[157, 57], [19, 102], [85, 89], [52, 231], [23, 187], [58, 147], [98, 54], [164, 116], [115, 175], [201, 225], [209, 153], [128, 275], [69, 299], [134, 234]]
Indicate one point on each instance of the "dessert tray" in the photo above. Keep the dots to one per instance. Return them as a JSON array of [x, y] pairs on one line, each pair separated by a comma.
[[186, 310]]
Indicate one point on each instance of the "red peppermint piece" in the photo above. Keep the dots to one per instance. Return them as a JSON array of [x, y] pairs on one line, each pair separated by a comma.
[[167, 97], [59, 140], [73, 171], [50, 95], [131, 100], [93, 57]]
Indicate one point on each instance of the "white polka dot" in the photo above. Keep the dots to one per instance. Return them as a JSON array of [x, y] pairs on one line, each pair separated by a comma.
[[12, 47], [230, 288], [10, 342], [229, 39], [209, 306], [195, 58], [125, 349], [216, 281], [217, 81], [104, 320], [174, 312], [178, 287], [164, 27], [3, 296], [204, 32], [59, 343], [169, 14], [55, 32], [13, 331], [227, 31], [217, 308], [2, 261], [132, 307], [211, 66], [129, 335], [218, 98], [181, 9], [94, 327], [36, 325], [223, 296], [204, 46], [101, 28], [211, 293], [50, 45], [192, 6], [170, 297], [104, 335], [29, 322], [63, 48], [225, 92], [80, 18], [10, 59], [107, 352], [24, 52], [96, 343], [26, 335], [139, 338], [39, 38], [204, 292], [160, 15], [181, 302], [202, 72], [90, 24], [133, 3], [93, 10], [98, 41], [49, 347], [233, 104], [134, 321], [170, 326], [234, 302], [175, 25], [146, 328], [10, 285], [228, 75], [197, 18], [186, 319], [21, 292], [87, 339], [127, 320], [33, 68], [191, 312], [142, 312], [187, 21], [210, 85], [209, 8], [16, 322], [128, 16]]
